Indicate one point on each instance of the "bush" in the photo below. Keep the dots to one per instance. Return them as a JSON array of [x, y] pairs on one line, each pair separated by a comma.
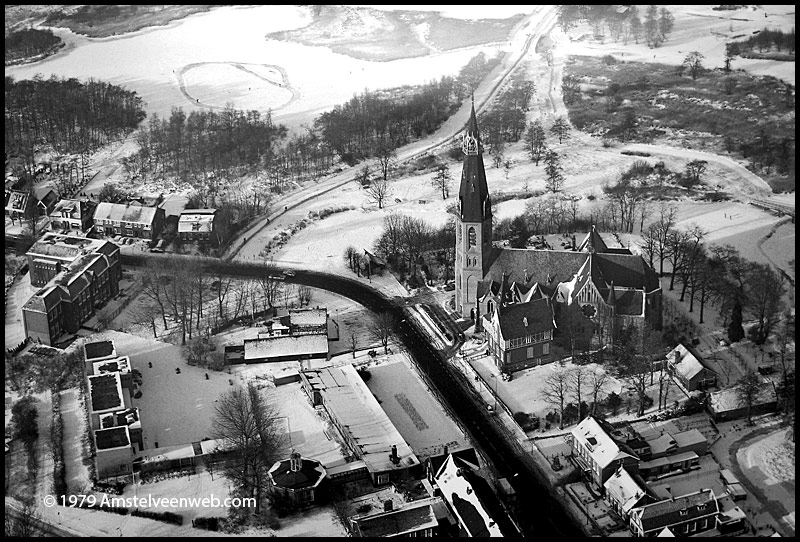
[[166, 517], [609, 60], [24, 417], [207, 523]]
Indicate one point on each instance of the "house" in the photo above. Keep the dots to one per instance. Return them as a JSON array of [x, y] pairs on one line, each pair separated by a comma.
[[687, 515], [72, 216], [667, 443], [365, 428], [200, 226], [76, 275], [113, 452], [47, 201], [520, 334], [667, 465], [625, 492], [613, 287], [472, 501], [17, 203], [688, 369], [415, 519], [300, 480], [128, 220], [597, 454], [728, 404], [297, 334]]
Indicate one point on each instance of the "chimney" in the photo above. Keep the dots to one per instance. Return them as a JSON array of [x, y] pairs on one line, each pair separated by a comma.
[[525, 271], [394, 457], [445, 451], [388, 506]]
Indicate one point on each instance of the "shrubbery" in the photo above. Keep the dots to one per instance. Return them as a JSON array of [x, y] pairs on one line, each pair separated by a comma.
[[166, 517]]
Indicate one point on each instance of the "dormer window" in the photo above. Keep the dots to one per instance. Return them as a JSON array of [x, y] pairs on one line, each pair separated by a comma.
[[684, 512]]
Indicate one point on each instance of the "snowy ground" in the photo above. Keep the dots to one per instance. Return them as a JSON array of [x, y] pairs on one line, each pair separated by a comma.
[[74, 418], [700, 28]]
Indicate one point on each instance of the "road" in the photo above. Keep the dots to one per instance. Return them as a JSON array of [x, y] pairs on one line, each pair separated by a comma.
[[292, 208], [550, 520]]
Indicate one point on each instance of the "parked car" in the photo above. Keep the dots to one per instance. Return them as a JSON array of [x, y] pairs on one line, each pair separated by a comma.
[[288, 273]]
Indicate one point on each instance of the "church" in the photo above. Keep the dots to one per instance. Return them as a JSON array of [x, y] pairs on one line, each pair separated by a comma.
[[521, 296]]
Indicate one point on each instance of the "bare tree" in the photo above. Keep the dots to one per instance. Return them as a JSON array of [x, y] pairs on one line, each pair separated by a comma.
[[535, 141], [578, 377], [747, 391], [381, 329], [441, 180], [597, 379], [378, 191], [21, 522], [694, 63], [560, 129], [252, 438], [386, 158], [557, 388], [304, 295], [765, 289], [353, 340]]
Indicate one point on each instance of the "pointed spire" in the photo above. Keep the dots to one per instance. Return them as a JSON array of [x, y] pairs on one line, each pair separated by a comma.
[[472, 138], [475, 204]]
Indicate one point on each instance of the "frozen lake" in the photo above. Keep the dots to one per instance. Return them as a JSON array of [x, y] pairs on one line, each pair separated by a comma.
[[222, 56]]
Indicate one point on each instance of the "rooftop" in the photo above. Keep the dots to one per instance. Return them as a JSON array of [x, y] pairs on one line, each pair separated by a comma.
[[298, 346], [414, 517], [115, 437], [464, 502], [414, 412], [310, 474], [602, 447], [67, 248], [120, 212], [99, 350], [349, 399], [105, 391], [196, 220], [120, 364]]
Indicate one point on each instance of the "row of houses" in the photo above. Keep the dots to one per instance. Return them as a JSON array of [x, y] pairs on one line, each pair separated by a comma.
[[80, 216], [619, 464]]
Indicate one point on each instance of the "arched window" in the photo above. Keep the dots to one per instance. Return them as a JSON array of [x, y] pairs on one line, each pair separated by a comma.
[[472, 239], [491, 308]]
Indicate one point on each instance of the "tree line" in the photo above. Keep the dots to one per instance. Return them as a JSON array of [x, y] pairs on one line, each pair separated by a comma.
[[621, 24], [763, 40], [69, 115], [372, 121], [30, 43]]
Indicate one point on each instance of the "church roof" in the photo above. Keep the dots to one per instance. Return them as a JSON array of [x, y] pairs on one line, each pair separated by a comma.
[[541, 265], [522, 319], [625, 271], [475, 205]]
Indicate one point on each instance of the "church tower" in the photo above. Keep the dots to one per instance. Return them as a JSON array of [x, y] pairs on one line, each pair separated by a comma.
[[474, 223]]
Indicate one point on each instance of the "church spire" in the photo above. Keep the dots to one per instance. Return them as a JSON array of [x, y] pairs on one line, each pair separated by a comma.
[[475, 205]]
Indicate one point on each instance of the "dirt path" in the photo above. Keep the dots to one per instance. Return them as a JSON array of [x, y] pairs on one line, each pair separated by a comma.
[[44, 474]]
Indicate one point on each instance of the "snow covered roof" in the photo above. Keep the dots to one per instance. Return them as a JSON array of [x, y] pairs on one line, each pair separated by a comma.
[[68, 248], [464, 501], [119, 212], [603, 449], [298, 346], [523, 319], [411, 518], [658, 515], [348, 399], [308, 317], [623, 488], [728, 399], [685, 361], [196, 220]]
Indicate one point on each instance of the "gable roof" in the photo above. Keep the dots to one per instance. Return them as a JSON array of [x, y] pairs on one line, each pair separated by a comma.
[[678, 510], [557, 265], [412, 517], [458, 490], [603, 449], [689, 362], [119, 212], [623, 488], [523, 319], [626, 271]]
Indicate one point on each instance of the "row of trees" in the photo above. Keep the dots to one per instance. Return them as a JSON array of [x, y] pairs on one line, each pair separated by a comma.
[[715, 274], [764, 40], [69, 115], [624, 24], [29, 43], [182, 293], [504, 122]]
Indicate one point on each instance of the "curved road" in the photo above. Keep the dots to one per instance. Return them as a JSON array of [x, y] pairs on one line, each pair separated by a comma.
[[550, 520]]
